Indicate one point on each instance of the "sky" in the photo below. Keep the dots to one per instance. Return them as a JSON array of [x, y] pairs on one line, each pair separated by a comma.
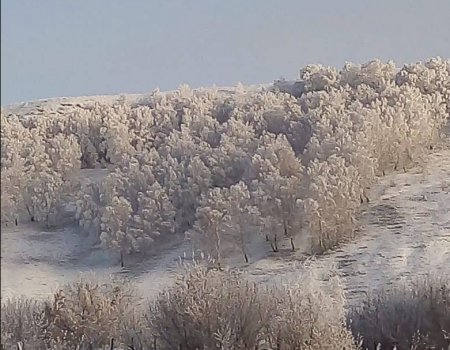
[[53, 48]]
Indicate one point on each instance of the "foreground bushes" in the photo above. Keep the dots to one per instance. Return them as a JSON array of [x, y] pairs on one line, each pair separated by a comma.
[[210, 309], [216, 310], [409, 319], [82, 314]]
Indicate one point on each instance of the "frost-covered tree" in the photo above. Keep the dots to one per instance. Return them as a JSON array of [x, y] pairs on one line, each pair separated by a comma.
[[114, 225], [278, 188], [318, 77], [49, 175], [227, 221], [36, 171], [331, 200], [154, 217], [88, 209], [210, 227], [144, 210], [243, 217]]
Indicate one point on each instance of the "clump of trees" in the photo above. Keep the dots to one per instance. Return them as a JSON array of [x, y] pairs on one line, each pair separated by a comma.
[[227, 167], [36, 170]]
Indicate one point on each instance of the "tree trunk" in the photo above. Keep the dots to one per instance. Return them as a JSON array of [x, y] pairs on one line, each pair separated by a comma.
[[292, 244], [218, 242], [121, 259], [273, 247], [276, 244], [131, 347], [17, 222], [246, 257], [29, 213], [267, 238], [397, 163]]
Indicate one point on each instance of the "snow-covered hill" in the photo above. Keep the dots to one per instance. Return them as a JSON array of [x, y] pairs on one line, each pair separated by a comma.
[[64, 105]]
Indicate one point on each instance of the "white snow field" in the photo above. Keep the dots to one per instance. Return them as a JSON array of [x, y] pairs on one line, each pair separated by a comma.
[[404, 232]]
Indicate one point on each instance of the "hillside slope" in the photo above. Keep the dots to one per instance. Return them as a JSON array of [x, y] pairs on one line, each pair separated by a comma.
[[404, 234]]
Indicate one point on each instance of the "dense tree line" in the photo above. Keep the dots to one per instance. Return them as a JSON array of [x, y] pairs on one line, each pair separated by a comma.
[[290, 160]]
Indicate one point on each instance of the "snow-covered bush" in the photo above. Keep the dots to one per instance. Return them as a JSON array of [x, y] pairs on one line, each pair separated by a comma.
[[210, 308], [20, 324], [81, 315], [213, 309], [87, 312], [416, 318], [318, 77]]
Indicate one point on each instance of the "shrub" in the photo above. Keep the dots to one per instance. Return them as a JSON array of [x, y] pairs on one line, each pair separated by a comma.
[[20, 324], [209, 309], [79, 315], [213, 309], [417, 318]]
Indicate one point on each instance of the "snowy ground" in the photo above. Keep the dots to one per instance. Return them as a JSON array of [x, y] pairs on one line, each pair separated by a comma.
[[35, 262]]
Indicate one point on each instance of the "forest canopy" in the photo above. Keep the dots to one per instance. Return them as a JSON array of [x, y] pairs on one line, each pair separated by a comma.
[[222, 167]]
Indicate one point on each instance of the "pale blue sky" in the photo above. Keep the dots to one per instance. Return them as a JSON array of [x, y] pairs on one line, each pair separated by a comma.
[[55, 48]]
